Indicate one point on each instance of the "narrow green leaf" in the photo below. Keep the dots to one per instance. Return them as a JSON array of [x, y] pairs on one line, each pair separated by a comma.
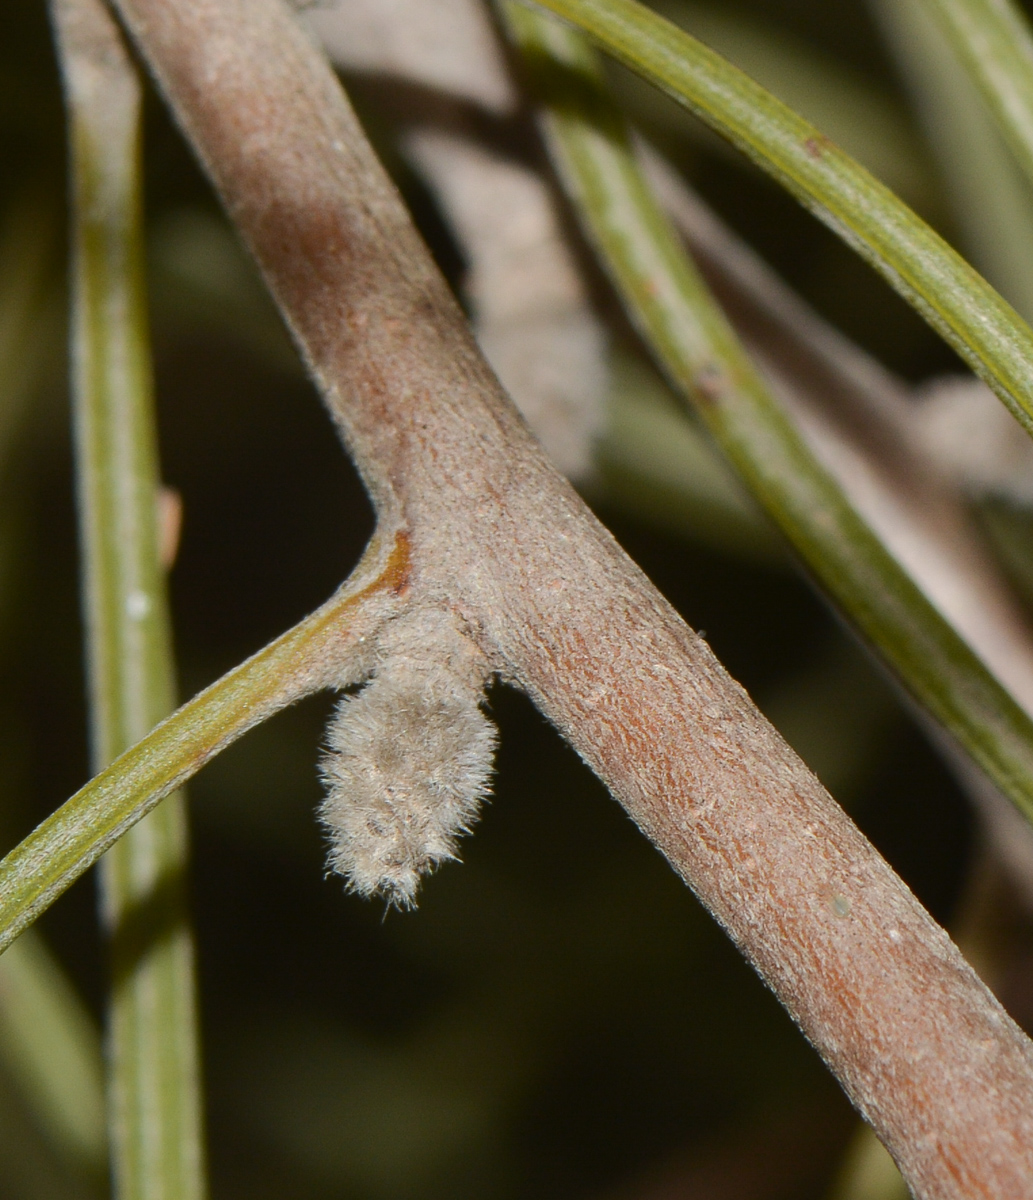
[[988, 192], [51, 1047], [994, 40], [854, 109], [300, 662], [651, 461], [693, 341], [914, 260], [154, 1097]]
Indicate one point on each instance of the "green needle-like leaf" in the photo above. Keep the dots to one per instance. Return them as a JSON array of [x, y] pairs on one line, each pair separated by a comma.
[[989, 193], [994, 40], [916, 261], [300, 662], [693, 341], [154, 1103], [51, 1046]]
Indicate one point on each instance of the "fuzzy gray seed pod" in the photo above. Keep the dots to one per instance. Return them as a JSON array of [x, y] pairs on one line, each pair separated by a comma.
[[409, 761]]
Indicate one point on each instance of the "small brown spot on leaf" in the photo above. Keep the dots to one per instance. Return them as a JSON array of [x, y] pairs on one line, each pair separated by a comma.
[[710, 383]]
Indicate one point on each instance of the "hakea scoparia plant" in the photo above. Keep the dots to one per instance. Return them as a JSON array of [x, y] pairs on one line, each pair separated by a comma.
[[486, 564]]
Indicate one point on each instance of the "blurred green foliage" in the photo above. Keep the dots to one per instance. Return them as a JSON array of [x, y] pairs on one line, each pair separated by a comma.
[[559, 1019]]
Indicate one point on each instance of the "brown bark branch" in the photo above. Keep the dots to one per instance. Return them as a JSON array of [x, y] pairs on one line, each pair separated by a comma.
[[499, 536], [859, 420]]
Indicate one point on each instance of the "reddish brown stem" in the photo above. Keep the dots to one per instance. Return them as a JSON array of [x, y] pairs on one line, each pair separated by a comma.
[[922, 1048]]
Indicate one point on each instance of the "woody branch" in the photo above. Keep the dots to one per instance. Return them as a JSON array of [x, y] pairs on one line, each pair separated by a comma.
[[500, 540]]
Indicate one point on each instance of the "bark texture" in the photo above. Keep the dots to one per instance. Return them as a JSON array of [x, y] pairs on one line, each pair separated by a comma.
[[501, 540]]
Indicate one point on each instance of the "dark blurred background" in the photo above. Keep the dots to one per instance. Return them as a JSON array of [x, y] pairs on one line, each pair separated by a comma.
[[559, 1019]]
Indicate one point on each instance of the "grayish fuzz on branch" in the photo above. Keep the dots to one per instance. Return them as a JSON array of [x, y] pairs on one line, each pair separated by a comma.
[[409, 759]]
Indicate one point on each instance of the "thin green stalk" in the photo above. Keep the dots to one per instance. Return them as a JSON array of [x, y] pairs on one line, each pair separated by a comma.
[[322, 651], [989, 193], [154, 1097], [857, 112], [693, 341], [995, 42], [51, 1048], [914, 260], [650, 461]]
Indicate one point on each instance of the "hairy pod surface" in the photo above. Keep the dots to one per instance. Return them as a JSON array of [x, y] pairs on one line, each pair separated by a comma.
[[409, 759]]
